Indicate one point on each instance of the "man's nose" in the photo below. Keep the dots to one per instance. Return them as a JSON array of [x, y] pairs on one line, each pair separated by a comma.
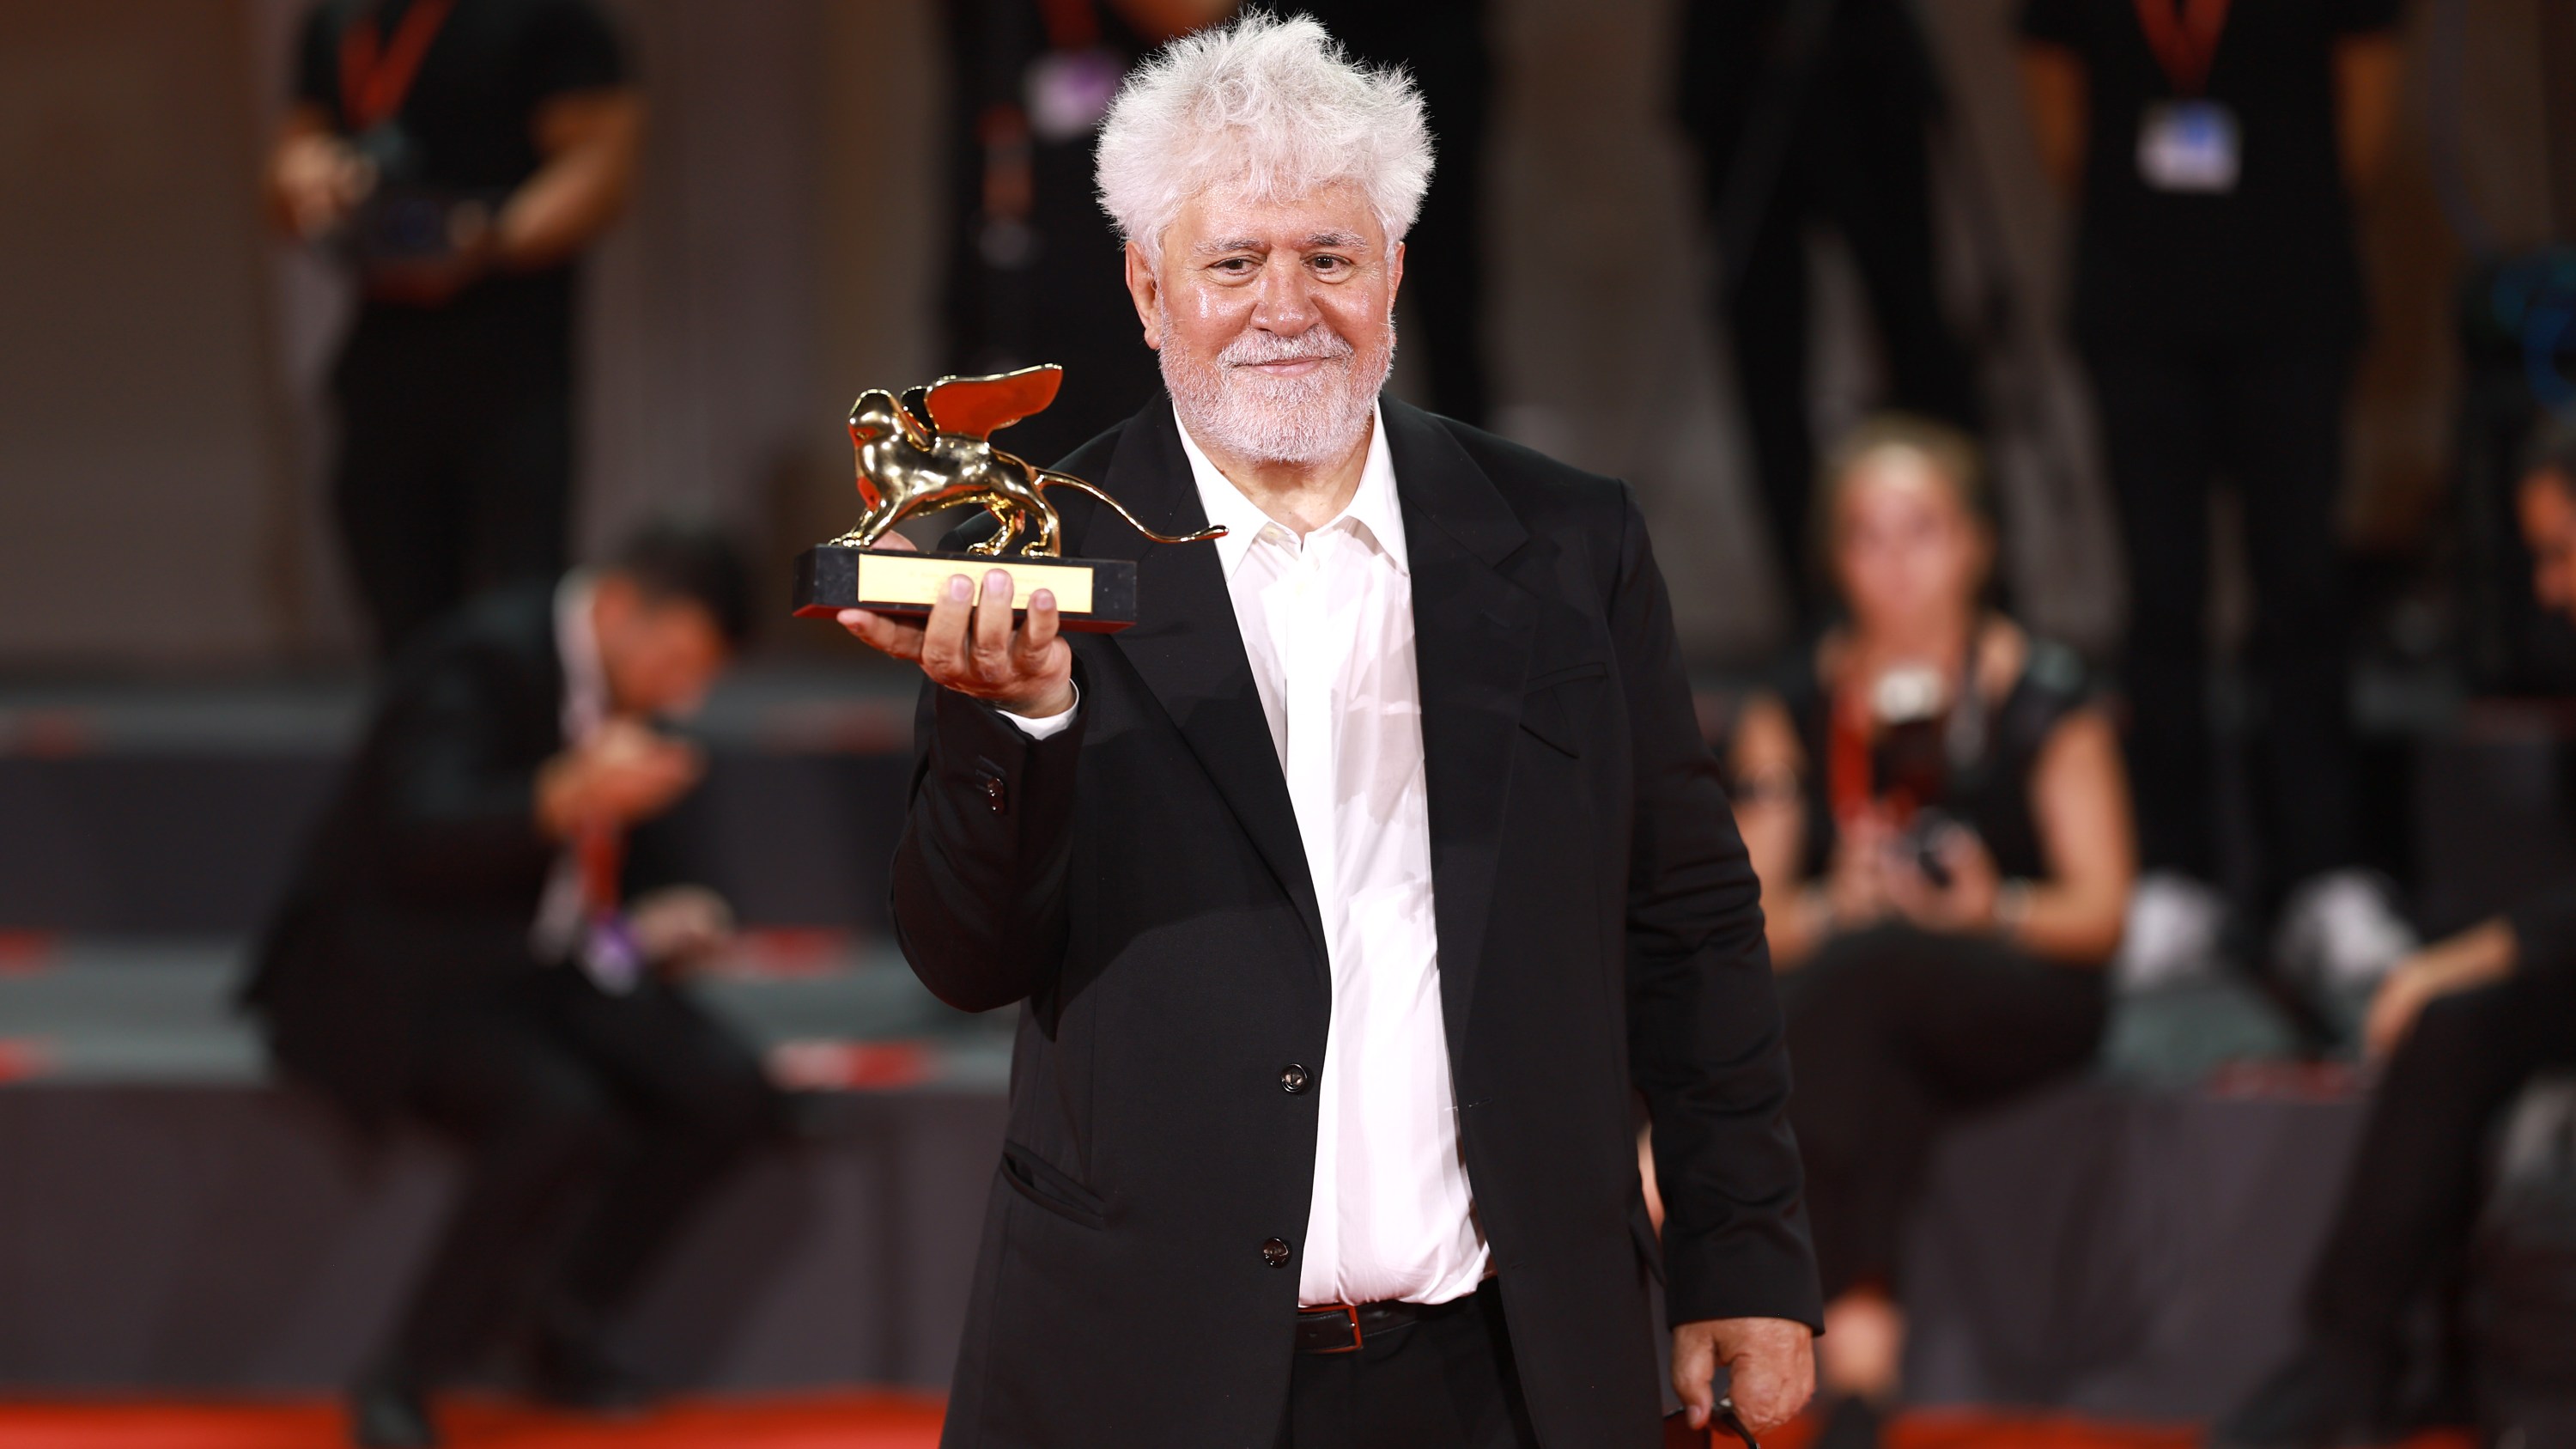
[[1285, 300]]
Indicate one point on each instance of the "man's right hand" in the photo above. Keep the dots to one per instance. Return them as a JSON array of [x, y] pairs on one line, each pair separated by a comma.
[[624, 773], [968, 645]]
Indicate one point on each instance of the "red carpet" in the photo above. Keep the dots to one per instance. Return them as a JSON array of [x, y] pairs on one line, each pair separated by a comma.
[[1959, 1429], [825, 1421], [816, 1421]]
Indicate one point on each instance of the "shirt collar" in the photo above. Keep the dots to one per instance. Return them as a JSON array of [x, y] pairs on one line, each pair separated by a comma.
[[1375, 507], [585, 703]]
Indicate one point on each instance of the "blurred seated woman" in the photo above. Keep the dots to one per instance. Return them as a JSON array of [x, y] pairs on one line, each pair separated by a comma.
[[1940, 818]]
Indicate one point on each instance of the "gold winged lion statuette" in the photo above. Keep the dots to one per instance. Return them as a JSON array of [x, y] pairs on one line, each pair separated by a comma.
[[942, 456]]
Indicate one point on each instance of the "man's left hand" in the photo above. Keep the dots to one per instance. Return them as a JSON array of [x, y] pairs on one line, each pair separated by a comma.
[[679, 927], [1770, 1364]]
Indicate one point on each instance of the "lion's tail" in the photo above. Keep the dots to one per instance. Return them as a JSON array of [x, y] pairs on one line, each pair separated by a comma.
[[1050, 477]]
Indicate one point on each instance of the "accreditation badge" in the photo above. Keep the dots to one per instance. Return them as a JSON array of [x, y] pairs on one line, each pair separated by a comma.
[[1069, 91], [2190, 146]]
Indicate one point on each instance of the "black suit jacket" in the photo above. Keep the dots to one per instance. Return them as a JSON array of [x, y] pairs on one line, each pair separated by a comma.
[[418, 888], [1137, 881]]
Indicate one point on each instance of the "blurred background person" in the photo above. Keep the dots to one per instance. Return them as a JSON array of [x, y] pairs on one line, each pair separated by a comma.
[[459, 156], [1032, 270], [1936, 806], [1443, 45], [2214, 152], [2464, 1024], [1815, 114], [471, 942]]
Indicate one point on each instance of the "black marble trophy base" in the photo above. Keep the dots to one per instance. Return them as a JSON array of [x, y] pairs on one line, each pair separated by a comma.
[[1093, 596]]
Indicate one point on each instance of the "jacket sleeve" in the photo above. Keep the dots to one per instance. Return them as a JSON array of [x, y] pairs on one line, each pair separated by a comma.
[[1705, 1039], [979, 874], [460, 802]]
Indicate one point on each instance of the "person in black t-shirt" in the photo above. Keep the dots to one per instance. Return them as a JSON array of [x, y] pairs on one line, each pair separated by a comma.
[[1032, 273], [2214, 150], [460, 155], [2463, 1025], [1442, 44]]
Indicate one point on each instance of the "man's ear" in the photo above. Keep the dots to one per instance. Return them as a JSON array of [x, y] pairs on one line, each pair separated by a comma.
[[1394, 275], [1143, 288]]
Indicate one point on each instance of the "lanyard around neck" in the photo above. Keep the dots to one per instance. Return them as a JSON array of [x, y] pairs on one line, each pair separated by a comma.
[[376, 75], [1071, 24], [2184, 35]]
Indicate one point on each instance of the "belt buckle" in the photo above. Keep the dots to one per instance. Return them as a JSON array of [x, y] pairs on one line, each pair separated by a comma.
[[1349, 1311]]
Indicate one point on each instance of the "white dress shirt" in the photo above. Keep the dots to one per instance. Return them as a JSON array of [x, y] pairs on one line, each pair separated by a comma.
[[562, 927], [1327, 623]]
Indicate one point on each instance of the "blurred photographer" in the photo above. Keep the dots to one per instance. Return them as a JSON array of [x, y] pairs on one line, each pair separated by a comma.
[[1941, 823], [457, 156], [487, 934]]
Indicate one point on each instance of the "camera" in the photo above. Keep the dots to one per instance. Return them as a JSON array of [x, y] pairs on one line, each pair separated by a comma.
[[1921, 725], [404, 221]]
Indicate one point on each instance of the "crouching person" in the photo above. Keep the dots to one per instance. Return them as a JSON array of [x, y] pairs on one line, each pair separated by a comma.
[[484, 936]]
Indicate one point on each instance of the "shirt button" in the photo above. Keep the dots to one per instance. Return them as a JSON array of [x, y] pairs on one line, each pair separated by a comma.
[[1292, 1079], [1274, 1252]]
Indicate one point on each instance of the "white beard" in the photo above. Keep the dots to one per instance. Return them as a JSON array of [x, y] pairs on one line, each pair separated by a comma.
[[1310, 419]]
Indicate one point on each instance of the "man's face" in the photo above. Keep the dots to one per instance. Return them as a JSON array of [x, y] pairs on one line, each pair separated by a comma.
[[660, 655], [1275, 320], [2548, 509]]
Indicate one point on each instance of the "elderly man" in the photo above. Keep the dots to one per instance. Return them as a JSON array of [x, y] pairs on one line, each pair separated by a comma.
[[1353, 894]]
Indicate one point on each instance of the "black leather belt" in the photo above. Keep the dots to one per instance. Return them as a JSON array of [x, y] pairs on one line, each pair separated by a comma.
[[1343, 1327]]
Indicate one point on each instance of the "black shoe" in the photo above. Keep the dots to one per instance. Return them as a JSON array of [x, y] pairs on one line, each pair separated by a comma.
[[574, 1372], [388, 1412], [1851, 1422], [2329, 1395]]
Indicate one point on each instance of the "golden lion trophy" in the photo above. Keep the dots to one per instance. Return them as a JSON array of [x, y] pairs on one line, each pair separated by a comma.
[[932, 449]]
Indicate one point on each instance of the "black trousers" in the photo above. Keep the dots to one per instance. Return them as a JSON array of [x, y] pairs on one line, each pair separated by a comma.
[[1869, 179], [2414, 1184], [2175, 419], [593, 1123], [1893, 1032], [1445, 1383], [455, 463]]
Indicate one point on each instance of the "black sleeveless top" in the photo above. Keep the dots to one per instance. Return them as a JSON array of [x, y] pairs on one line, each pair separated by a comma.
[[1986, 787]]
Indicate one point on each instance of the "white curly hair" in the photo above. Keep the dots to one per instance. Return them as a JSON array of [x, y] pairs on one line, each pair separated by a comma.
[[1261, 107]]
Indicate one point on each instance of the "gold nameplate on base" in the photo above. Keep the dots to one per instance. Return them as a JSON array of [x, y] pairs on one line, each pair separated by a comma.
[[931, 449], [1091, 595]]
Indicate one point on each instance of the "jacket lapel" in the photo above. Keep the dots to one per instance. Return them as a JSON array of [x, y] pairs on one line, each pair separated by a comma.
[[1188, 649], [1472, 631]]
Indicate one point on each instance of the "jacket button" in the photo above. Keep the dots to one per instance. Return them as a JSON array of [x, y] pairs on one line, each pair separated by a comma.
[[1275, 1252], [995, 795], [1292, 1079]]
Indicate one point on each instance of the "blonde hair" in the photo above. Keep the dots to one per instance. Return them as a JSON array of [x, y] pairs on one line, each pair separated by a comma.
[[1953, 456]]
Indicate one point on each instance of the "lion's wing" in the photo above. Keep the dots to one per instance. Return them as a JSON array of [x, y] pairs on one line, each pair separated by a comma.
[[979, 407]]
